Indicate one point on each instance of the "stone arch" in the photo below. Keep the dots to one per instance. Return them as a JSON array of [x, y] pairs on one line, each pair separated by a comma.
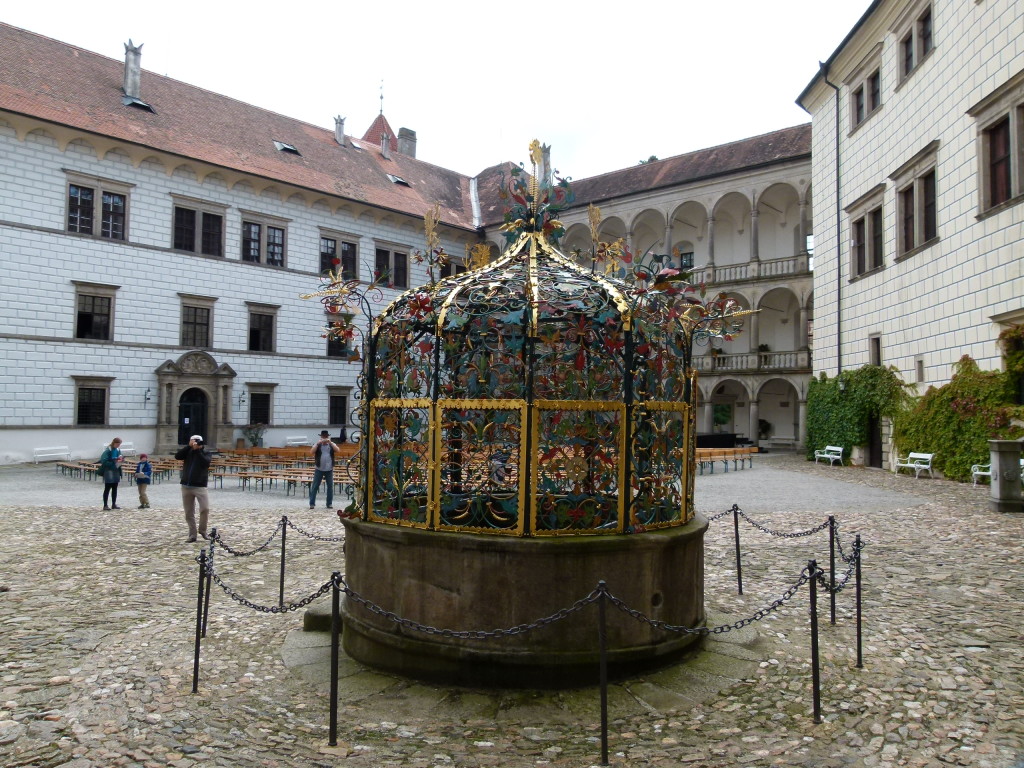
[[779, 403], [779, 320], [647, 232], [778, 209], [577, 237], [732, 229], [194, 370], [689, 222], [612, 229]]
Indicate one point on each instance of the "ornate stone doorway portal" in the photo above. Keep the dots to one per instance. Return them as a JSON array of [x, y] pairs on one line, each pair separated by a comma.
[[195, 397]]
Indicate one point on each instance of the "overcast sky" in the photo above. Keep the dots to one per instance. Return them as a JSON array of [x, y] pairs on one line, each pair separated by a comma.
[[605, 84]]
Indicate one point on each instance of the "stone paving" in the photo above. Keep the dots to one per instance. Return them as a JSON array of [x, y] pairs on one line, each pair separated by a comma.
[[97, 613]]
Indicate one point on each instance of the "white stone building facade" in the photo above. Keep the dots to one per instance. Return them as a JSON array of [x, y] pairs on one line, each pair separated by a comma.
[[918, 172]]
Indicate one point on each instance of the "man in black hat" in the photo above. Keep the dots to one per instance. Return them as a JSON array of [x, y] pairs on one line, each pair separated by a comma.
[[323, 467]]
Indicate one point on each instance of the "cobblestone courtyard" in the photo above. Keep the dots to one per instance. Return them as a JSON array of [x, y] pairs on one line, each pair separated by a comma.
[[97, 614]]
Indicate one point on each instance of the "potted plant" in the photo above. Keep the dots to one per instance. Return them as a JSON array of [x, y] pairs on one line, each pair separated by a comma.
[[764, 429], [254, 434]]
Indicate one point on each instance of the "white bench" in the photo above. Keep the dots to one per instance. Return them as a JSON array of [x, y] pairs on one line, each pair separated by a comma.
[[919, 462], [296, 440], [127, 449], [833, 453], [985, 470], [56, 452]]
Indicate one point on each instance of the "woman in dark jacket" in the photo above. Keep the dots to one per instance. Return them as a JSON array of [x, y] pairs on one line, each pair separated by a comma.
[[110, 468]]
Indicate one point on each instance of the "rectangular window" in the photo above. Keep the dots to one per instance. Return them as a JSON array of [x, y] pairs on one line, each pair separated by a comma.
[[392, 266], [999, 163], [874, 350], [252, 238], [867, 233], [337, 410], [92, 406], [907, 219], [195, 327], [451, 268], [196, 229], [261, 332], [919, 370], [259, 407], [264, 239], [94, 316], [930, 228], [865, 84], [914, 31], [339, 255], [85, 194]]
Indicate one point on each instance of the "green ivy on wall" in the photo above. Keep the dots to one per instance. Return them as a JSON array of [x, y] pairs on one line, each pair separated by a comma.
[[838, 409], [956, 420]]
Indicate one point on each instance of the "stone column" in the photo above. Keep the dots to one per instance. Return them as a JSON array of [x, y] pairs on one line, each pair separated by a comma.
[[707, 425], [801, 425], [755, 420], [803, 225], [754, 330], [668, 241], [1006, 473], [801, 332], [755, 248], [711, 241]]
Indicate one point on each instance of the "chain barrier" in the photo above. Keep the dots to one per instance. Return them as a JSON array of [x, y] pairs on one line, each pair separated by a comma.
[[468, 634], [720, 515], [219, 540], [323, 590], [781, 534], [723, 628], [841, 584], [313, 536]]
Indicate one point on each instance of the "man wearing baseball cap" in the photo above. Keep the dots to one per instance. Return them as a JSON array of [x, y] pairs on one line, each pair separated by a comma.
[[323, 468], [195, 470]]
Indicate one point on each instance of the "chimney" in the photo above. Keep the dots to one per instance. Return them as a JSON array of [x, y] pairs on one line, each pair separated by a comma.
[[407, 141], [132, 69], [339, 130], [385, 145]]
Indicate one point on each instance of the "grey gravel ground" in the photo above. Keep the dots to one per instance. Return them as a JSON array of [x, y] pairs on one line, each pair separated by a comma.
[[97, 616]]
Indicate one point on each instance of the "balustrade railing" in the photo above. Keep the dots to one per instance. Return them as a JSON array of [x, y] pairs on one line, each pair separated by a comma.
[[734, 273], [753, 361]]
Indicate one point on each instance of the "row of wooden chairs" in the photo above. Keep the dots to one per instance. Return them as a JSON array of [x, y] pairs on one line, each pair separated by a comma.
[[740, 458]]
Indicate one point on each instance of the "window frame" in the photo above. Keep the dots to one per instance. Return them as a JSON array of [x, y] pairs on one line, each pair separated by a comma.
[[265, 224], [261, 389], [101, 383], [337, 391], [100, 187], [349, 264], [875, 349], [193, 301], [95, 290], [201, 209], [915, 35], [865, 88], [1004, 104], [262, 310], [866, 222], [916, 183], [391, 251]]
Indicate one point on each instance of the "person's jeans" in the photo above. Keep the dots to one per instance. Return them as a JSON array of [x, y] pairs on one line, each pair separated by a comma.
[[190, 496], [318, 475]]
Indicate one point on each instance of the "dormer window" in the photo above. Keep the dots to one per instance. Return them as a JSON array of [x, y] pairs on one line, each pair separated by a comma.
[[283, 147], [134, 101], [398, 180]]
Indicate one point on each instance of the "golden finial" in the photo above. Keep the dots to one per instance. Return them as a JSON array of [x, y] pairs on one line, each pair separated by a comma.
[[594, 214]]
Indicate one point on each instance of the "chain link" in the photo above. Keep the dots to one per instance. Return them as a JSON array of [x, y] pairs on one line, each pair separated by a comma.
[[296, 528], [217, 539], [468, 634], [781, 534], [324, 589]]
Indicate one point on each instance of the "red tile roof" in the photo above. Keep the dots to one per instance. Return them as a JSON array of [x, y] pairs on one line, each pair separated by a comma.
[[60, 83], [786, 145], [377, 130]]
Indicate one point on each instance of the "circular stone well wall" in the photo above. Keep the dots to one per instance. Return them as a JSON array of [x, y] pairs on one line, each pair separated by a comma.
[[460, 581]]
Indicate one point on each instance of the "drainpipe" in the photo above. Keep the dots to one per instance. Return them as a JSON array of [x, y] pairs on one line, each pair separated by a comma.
[[839, 229]]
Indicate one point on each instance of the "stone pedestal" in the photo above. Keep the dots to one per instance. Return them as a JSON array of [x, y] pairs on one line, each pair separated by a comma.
[[459, 581], [1006, 476]]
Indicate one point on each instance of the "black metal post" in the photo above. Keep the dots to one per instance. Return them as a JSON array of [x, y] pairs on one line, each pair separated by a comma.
[[812, 567], [602, 636], [739, 566], [832, 567], [332, 739], [209, 581], [284, 538], [860, 655], [199, 621]]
